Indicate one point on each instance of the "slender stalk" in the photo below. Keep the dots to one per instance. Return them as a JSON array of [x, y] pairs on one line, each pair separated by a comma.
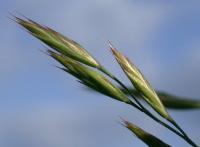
[[123, 86], [162, 123], [183, 135]]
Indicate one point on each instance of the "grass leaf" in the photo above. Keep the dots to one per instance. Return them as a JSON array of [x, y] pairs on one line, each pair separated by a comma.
[[171, 101]]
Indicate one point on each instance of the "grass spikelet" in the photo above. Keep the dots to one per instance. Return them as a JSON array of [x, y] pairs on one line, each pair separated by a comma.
[[58, 42], [140, 83], [90, 78], [144, 136]]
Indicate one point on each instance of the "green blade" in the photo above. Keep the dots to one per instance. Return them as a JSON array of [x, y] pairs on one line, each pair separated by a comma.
[[171, 101], [175, 102]]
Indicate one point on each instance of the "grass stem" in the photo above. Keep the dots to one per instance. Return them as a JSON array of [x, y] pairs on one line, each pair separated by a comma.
[[141, 108]]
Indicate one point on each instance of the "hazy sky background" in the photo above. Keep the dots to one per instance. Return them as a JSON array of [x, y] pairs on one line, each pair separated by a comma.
[[41, 106]]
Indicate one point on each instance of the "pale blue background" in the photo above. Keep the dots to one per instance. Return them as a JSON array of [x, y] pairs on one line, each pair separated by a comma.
[[41, 106]]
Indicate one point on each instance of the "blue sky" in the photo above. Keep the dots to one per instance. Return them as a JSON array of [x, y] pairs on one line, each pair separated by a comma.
[[41, 106]]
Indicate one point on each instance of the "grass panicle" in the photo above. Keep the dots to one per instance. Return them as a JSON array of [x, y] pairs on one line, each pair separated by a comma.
[[75, 60]]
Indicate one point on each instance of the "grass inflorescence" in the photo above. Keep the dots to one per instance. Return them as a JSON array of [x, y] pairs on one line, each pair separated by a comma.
[[78, 62]]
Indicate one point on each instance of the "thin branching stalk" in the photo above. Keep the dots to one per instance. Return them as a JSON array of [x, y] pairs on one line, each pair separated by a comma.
[[137, 79], [185, 136], [141, 108]]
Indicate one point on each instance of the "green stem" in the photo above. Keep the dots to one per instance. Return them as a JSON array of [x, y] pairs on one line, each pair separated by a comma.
[[162, 123], [183, 135], [123, 86]]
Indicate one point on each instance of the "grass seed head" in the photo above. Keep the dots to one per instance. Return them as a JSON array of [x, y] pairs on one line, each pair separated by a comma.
[[58, 42], [90, 78], [146, 137], [140, 83]]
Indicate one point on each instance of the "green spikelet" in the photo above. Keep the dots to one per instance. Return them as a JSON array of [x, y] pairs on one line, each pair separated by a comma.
[[90, 78], [146, 137], [140, 83], [58, 42]]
